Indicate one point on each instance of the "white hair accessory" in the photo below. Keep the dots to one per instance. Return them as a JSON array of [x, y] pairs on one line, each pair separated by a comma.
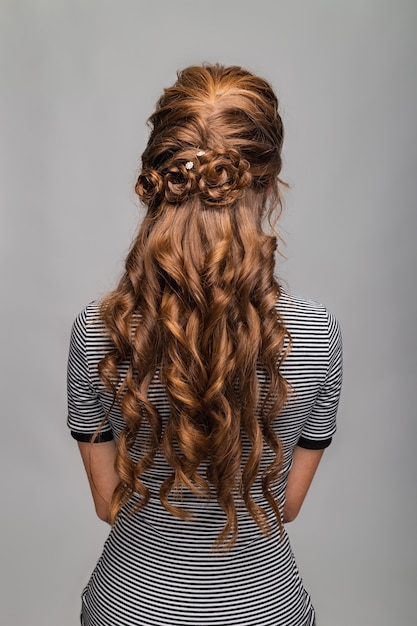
[[189, 165]]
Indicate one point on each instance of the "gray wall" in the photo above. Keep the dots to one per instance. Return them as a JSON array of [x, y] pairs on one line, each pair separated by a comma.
[[78, 80]]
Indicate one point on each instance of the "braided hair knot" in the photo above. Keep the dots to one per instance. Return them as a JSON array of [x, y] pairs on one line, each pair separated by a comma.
[[222, 177], [219, 177], [149, 186]]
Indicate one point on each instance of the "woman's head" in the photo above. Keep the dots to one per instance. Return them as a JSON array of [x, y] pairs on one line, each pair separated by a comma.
[[216, 136]]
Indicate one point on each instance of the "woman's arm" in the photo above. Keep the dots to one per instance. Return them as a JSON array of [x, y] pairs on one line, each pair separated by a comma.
[[98, 459], [305, 463]]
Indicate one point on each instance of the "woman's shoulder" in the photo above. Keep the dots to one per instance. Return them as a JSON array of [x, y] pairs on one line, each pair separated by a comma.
[[89, 316], [306, 315], [294, 303], [88, 326]]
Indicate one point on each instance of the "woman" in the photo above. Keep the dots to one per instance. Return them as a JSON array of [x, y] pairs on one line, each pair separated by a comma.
[[201, 394]]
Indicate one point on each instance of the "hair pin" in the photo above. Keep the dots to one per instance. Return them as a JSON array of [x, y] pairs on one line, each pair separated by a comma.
[[189, 165]]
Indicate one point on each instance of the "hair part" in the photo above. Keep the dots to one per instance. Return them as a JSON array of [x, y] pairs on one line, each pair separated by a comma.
[[197, 301]]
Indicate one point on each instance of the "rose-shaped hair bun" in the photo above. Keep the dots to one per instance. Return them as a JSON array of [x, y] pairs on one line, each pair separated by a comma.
[[149, 186], [217, 176], [222, 176]]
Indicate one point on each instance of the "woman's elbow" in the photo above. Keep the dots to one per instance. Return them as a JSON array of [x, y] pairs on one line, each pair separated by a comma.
[[290, 514], [103, 513]]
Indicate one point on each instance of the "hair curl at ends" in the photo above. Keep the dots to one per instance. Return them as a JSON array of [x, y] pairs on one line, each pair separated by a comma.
[[196, 305]]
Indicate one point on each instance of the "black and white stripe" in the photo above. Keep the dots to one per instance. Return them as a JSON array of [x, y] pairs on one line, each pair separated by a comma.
[[157, 570]]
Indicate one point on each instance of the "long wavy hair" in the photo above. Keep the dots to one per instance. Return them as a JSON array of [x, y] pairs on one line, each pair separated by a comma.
[[196, 305]]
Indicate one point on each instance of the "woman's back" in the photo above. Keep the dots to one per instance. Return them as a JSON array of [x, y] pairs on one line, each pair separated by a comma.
[[163, 570]]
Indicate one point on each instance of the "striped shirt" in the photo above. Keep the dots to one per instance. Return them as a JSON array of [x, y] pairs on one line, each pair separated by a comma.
[[158, 570]]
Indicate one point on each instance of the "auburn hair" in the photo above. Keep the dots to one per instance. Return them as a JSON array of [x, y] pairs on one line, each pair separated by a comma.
[[196, 304]]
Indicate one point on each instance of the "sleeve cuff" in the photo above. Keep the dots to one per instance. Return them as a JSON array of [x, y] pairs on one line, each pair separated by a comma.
[[87, 437], [310, 444]]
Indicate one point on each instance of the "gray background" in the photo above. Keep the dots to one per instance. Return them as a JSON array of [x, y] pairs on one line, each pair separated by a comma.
[[78, 80]]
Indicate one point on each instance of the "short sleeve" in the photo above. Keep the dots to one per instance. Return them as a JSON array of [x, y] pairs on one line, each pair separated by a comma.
[[85, 412], [320, 426]]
